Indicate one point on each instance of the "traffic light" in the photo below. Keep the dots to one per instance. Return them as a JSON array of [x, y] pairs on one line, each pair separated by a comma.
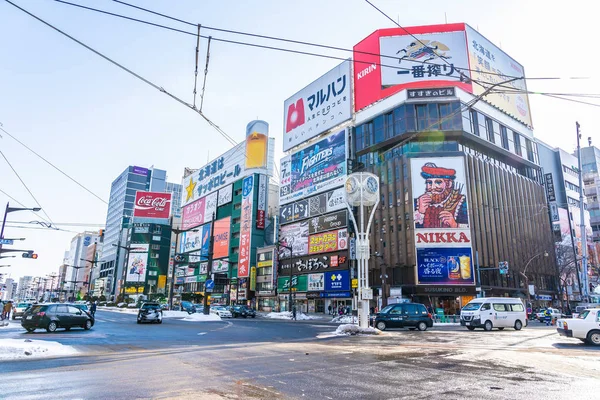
[[30, 254]]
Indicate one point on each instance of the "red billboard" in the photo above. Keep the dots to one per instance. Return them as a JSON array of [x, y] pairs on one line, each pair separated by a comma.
[[152, 205], [371, 62], [192, 215]]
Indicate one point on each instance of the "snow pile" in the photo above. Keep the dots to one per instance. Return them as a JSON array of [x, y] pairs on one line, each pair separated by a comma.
[[17, 349], [10, 326], [119, 310], [288, 315], [190, 317], [351, 329], [345, 319]]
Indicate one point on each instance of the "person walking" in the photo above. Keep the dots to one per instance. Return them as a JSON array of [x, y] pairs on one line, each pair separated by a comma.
[[93, 309], [6, 310], [329, 308]]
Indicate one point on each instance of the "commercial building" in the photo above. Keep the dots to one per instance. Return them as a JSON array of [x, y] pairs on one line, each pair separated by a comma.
[[561, 178], [314, 238], [25, 288], [226, 200], [461, 184], [77, 273], [590, 167], [8, 289], [118, 219]]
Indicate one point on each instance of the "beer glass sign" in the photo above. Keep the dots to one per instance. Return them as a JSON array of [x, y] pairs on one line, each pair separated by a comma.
[[257, 133]]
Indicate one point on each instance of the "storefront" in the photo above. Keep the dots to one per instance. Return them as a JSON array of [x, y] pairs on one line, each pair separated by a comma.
[[442, 299]]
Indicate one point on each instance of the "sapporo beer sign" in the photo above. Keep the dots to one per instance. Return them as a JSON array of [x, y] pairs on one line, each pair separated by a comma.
[[152, 205]]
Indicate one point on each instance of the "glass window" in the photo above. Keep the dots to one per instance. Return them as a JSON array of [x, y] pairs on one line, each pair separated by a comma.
[[485, 307], [389, 126], [74, 310], [517, 307], [396, 310], [421, 110], [529, 148], [399, 121], [517, 140], [504, 137], [358, 137], [410, 113], [411, 309], [61, 309], [379, 130], [446, 117], [489, 127], [499, 307], [433, 117]]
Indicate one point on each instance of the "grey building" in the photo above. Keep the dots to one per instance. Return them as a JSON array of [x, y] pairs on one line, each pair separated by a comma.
[[120, 214], [590, 166]]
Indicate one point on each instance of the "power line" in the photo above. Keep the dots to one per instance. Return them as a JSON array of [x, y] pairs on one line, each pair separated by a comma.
[[53, 166], [262, 37], [58, 223], [22, 205], [25, 185]]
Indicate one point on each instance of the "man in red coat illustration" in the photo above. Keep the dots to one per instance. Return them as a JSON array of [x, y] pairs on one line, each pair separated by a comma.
[[442, 205]]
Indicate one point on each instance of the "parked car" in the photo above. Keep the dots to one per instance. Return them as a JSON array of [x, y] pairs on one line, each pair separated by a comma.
[[19, 309], [540, 316], [494, 312], [243, 311], [150, 312], [221, 311], [586, 327], [406, 315], [54, 316]]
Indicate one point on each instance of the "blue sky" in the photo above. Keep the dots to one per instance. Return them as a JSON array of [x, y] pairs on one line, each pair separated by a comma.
[[92, 119]]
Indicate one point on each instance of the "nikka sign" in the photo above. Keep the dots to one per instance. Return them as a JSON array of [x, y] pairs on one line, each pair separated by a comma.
[[152, 205], [442, 237]]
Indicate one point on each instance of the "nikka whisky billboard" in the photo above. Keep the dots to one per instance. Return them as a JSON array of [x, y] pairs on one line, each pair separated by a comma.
[[441, 222]]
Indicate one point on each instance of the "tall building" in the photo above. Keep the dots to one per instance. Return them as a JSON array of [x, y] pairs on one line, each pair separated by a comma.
[[76, 278], [461, 185], [564, 209], [9, 289], [227, 198], [119, 215], [590, 167], [25, 288]]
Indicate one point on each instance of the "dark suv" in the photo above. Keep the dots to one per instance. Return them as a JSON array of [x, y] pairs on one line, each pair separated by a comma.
[[406, 315], [150, 312], [242, 311], [53, 316]]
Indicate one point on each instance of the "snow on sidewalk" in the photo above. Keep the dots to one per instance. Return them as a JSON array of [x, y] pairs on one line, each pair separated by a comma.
[[10, 326], [351, 329], [18, 349], [119, 310], [345, 319], [196, 317], [288, 315]]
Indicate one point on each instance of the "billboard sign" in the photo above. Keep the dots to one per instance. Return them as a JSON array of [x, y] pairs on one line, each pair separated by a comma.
[[316, 282], [337, 280], [261, 206], [140, 171], [314, 263], [313, 206], [299, 283], [550, 193], [296, 237], [152, 205], [491, 65], [316, 168], [225, 195], [222, 233], [220, 266], [196, 241], [328, 241], [442, 56], [441, 222], [192, 215], [320, 106], [246, 226], [223, 171], [137, 263], [328, 222], [443, 52]]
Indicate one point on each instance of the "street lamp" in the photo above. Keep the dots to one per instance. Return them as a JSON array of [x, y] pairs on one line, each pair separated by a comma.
[[4, 266], [10, 209], [524, 273]]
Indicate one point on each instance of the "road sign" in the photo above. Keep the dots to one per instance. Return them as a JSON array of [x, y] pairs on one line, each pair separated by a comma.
[[7, 241], [367, 294], [209, 285]]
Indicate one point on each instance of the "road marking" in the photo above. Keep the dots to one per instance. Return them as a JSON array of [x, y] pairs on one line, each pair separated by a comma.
[[202, 333]]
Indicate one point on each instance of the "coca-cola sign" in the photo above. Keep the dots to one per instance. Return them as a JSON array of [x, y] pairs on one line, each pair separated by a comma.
[[152, 205]]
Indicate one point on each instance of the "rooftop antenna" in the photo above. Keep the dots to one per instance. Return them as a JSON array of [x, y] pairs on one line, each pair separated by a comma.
[[446, 17], [590, 141]]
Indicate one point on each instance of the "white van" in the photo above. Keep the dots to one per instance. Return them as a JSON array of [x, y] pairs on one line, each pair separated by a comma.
[[493, 312]]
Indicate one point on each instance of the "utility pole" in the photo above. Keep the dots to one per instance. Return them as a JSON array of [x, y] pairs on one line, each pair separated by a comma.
[[584, 266], [209, 266]]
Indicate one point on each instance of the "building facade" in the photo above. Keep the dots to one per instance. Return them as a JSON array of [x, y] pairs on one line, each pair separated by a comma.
[[119, 219], [224, 208], [461, 184]]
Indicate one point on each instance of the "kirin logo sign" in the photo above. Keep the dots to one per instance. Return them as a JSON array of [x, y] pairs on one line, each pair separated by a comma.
[[152, 205]]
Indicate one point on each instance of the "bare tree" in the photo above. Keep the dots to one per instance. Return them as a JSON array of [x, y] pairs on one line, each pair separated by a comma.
[[566, 261]]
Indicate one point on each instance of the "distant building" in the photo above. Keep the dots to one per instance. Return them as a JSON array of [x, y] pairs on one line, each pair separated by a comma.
[[25, 288]]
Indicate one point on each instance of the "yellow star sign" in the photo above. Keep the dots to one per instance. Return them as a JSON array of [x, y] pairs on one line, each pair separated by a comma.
[[190, 189]]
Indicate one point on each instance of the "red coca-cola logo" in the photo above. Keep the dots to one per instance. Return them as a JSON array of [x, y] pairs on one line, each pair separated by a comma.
[[152, 205]]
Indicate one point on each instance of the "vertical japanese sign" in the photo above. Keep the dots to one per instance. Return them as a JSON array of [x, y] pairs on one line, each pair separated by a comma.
[[261, 207], [441, 222], [246, 226]]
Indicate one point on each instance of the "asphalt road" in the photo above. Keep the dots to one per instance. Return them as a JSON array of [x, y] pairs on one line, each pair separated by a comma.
[[270, 359]]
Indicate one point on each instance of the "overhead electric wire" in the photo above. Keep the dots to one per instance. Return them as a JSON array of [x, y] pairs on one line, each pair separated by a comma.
[[58, 223], [22, 205], [25, 185], [54, 166]]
